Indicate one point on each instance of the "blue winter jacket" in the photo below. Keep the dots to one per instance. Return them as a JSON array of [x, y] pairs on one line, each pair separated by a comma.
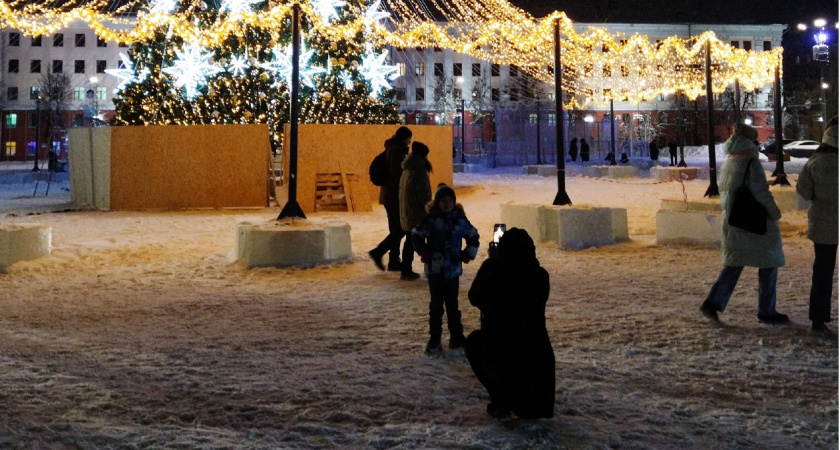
[[440, 234]]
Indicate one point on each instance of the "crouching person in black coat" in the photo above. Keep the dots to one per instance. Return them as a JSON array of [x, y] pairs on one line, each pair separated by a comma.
[[511, 354]]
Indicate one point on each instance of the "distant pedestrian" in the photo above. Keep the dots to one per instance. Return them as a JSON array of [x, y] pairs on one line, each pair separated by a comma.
[[654, 150], [415, 193], [624, 158], [740, 247], [573, 149], [396, 148], [818, 183], [511, 354], [438, 239], [672, 150], [584, 150]]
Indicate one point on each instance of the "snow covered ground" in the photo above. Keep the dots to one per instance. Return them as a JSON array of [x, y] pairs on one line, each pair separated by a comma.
[[140, 330]]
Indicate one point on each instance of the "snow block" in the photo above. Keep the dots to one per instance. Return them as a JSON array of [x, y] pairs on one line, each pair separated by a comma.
[[596, 171], [786, 198], [298, 242], [577, 227], [542, 170], [688, 227], [674, 173], [679, 204], [466, 168], [621, 171], [23, 242], [620, 230], [524, 216]]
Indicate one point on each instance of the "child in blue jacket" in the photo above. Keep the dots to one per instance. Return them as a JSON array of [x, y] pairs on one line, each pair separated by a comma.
[[437, 239]]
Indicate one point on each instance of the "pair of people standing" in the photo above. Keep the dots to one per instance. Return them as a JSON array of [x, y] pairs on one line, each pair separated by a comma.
[[403, 191]]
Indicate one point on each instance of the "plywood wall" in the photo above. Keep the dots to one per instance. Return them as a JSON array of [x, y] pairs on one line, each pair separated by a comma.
[[326, 148], [176, 167]]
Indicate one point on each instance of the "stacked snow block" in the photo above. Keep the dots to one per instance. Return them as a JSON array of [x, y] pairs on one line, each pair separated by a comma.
[[288, 242], [695, 222], [548, 170], [787, 199], [571, 227], [621, 171], [23, 242], [596, 171], [674, 173]]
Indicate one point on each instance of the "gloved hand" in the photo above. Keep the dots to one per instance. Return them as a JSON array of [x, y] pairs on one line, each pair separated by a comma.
[[425, 255], [465, 257]]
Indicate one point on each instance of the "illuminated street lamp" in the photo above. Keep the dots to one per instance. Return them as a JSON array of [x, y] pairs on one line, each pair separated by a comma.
[[820, 54]]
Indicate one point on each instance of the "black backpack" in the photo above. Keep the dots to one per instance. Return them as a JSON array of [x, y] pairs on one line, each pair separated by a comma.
[[379, 173]]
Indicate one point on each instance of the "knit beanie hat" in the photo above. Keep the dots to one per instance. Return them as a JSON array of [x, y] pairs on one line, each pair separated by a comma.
[[741, 140], [403, 133], [419, 148], [830, 136], [443, 191]]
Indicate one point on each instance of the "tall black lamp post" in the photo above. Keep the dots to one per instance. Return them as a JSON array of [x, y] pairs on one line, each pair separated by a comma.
[[37, 131], [292, 208], [463, 131], [562, 198]]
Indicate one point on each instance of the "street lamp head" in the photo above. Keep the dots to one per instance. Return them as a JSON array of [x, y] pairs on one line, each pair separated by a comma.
[[821, 38], [801, 27], [819, 23]]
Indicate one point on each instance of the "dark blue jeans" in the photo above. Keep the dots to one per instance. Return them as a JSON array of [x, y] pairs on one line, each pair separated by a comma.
[[728, 278], [822, 282], [444, 294]]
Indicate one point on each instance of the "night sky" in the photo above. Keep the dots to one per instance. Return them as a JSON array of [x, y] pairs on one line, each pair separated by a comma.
[[685, 11]]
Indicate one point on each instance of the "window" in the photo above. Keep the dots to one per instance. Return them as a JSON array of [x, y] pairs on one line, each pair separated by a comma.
[[14, 39], [438, 49], [120, 64], [514, 71], [80, 39], [11, 148], [122, 45], [101, 93], [14, 66], [11, 120], [495, 95], [78, 93], [34, 92], [36, 41], [606, 71], [478, 144], [419, 94], [625, 71], [552, 119], [660, 98], [419, 69], [101, 42], [100, 66], [747, 45], [456, 94], [658, 44], [58, 40], [476, 69], [33, 119], [494, 70], [625, 118], [767, 46], [57, 66], [400, 95], [419, 119], [663, 117], [514, 94], [401, 69], [12, 93], [457, 70], [605, 49], [35, 66], [735, 44], [532, 119], [79, 66], [438, 69]]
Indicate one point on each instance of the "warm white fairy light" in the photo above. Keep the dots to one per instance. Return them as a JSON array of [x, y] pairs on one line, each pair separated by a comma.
[[281, 63], [191, 68], [126, 73]]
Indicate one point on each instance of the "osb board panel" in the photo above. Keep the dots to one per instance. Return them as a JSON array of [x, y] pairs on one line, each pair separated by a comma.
[[325, 148], [90, 162], [197, 166]]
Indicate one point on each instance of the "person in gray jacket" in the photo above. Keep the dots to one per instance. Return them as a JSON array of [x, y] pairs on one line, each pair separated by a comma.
[[742, 248], [818, 183]]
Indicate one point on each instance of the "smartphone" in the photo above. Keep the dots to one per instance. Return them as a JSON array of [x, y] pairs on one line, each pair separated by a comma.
[[498, 231]]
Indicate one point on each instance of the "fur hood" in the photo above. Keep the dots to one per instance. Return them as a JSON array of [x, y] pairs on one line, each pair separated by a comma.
[[432, 208], [415, 162]]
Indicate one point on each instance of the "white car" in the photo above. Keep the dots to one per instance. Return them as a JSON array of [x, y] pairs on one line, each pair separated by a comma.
[[801, 149]]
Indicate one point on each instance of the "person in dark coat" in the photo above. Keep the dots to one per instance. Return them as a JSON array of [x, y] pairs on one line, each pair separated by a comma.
[[654, 150], [389, 197], [415, 193], [672, 150], [573, 149], [584, 150], [624, 158], [511, 355]]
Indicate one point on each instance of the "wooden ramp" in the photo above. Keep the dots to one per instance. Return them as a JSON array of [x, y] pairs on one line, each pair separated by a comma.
[[340, 191]]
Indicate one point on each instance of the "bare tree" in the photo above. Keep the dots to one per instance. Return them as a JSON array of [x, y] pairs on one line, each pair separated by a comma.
[[55, 96], [480, 95], [442, 96]]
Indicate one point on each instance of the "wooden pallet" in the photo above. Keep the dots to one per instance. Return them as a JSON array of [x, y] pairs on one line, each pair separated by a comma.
[[340, 191]]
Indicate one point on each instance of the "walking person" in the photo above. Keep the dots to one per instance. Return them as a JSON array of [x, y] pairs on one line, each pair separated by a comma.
[[438, 239], [584, 150], [672, 150], [396, 148], [818, 183], [740, 247], [573, 149], [511, 354], [654, 150], [415, 193]]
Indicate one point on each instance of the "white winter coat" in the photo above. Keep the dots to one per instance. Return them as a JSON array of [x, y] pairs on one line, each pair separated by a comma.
[[742, 248], [818, 183]]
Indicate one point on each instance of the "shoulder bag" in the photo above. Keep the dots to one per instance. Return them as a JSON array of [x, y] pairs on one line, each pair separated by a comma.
[[746, 212]]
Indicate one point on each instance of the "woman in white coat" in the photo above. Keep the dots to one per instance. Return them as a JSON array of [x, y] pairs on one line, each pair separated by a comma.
[[742, 248]]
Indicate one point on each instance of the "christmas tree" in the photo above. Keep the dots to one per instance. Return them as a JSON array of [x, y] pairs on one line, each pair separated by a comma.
[[245, 78]]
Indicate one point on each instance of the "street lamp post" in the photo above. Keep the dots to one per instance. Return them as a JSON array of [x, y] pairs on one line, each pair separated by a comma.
[[37, 131], [820, 54]]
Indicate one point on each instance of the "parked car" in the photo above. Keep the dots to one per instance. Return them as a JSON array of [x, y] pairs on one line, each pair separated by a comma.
[[801, 149], [769, 148]]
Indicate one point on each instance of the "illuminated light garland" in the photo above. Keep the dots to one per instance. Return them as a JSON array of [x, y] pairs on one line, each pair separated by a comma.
[[191, 68], [375, 70], [490, 30], [126, 74]]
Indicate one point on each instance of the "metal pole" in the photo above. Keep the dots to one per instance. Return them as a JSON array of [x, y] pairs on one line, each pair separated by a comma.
[[292, 208], [681, 132], [612, 134], [781, 178], [37, 131], [539, 149], [737, 107], [712, 191], [463, 131], [562, 198], [822, 93]]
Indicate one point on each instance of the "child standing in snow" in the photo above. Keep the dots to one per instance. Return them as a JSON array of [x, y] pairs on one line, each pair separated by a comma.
[[437, 239]]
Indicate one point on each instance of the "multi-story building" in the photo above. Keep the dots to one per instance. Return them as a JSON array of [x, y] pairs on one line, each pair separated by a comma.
[[76, 52]]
